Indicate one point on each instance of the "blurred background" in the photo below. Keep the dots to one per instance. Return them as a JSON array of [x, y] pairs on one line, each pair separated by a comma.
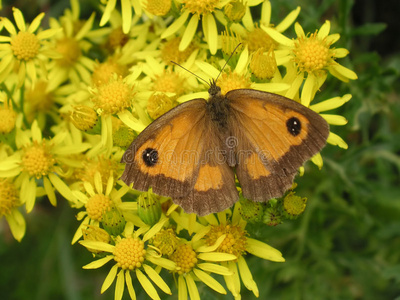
[[347, 243]]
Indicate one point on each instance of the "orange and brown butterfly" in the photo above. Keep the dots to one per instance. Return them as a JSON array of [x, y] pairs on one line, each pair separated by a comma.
[[193, 152]]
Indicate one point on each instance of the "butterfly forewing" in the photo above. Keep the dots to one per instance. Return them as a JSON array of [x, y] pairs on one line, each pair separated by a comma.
[[165, 155], [276, 136]]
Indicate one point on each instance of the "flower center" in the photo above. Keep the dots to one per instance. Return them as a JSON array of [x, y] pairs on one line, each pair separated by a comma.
[[105, 166], [116, 39], [38, 98], [258, 38], [293, 204], [185, 258], [129, 253], [169, 82], [311, 54], [234, 242], [113, 97], [8, 197], [37, 160], [232, 81], [166, 241], [83, 117], [170, 51], [104, 72], [7, 118], [200, 7], [25, 45], [158, 7], [97, 205], [70, 51], [159, 104], [263, 66]]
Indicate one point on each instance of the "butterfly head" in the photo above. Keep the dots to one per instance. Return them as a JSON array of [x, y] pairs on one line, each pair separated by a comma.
[[214, 90]]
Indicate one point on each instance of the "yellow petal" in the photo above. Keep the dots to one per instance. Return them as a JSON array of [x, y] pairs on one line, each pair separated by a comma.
[[214, 268], [277, 36], [119, 286], [17, 224], [233, 281], [246, 276], [317, 160], [109, 279], [216, 256], [61, 187], [299, 30], [189, 33], [336, 140], [35, 23], [263, 250], [288, 21], [324, 30], [208, 280], [19, 19], [214, 247], [192, 288], [101, 246], [210, 32], [176, 25], [131, 290], [153, 275], [266, 13], [330, 103], [146, 284], [334, 119], [182, 290], [126, 9], [49, 191], [107, 12]]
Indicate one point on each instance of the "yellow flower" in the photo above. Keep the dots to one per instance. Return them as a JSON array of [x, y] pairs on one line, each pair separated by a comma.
[[236, 79], [254, 36], [71, 47], [228, 235], [131, 256], [196, 10], [24, 51], [97, 201], [311, 54], [195, 260], [39, 158], [8, 117], [330, 104], [126, 12], [9, 203]]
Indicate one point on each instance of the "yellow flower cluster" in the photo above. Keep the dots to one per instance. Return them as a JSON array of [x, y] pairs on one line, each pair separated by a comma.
[[73, 98]]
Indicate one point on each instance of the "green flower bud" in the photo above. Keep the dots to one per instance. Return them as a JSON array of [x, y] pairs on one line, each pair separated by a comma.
[[251, 211], [113, 222], [149, 207]]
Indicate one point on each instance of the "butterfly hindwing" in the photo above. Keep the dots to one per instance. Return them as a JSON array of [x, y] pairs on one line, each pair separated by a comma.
[[275, 137]]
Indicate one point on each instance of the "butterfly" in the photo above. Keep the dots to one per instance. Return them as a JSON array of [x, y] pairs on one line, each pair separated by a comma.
[[193, 152]]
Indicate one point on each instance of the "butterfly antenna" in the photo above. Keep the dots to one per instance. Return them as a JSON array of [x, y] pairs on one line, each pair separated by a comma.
[[190, 72], [230, 56]]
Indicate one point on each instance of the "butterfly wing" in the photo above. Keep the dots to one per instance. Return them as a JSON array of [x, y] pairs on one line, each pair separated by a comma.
[[176, 156], [275, 137]]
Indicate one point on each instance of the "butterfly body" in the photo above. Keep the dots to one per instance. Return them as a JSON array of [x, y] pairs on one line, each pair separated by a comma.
[[193, 152]]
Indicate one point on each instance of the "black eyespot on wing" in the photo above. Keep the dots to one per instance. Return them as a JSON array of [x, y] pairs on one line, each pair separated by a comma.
[[293, 126], [150, 157]]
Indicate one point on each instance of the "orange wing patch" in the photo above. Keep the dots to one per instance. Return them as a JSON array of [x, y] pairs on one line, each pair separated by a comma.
[[271, 134], [254, 167], [209, 178], [178, 152]]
